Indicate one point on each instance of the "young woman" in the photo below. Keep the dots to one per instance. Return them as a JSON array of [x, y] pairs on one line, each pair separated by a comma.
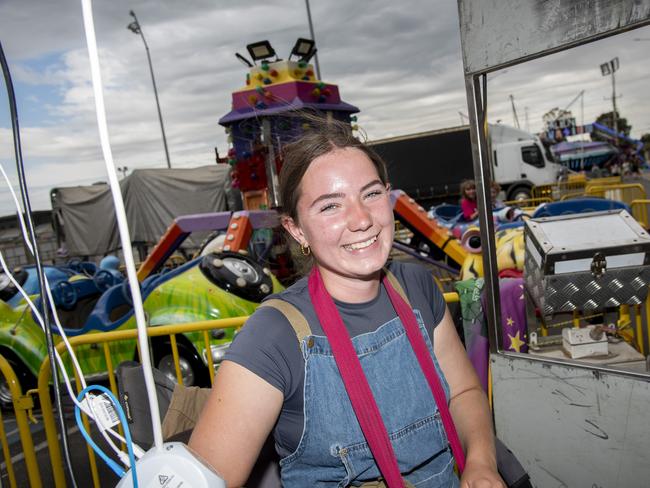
[[337, 208]]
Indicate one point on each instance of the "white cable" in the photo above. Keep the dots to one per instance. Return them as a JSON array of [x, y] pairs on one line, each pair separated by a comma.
[[19, 209], [88, 411], [62, 333], [47, 287], [125, 237]]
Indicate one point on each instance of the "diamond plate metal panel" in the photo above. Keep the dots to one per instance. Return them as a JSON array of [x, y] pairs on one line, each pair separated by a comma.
[[581, 291]]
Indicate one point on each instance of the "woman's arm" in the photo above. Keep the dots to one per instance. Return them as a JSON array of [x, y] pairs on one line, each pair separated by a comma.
[[236, 420], [468, 406]]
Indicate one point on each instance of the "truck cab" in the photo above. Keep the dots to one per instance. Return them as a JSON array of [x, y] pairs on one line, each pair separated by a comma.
[[519, 162]]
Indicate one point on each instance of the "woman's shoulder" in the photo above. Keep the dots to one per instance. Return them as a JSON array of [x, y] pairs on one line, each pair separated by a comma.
[[407, 272], [271, 319], [267, 346], [296, 294]]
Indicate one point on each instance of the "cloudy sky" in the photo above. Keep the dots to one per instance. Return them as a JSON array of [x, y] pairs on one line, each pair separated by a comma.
[[399, 62]]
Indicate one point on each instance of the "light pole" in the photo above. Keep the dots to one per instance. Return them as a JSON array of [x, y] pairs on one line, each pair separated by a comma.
[[136, 29], [313, 38], [609, 68], [123, 170]]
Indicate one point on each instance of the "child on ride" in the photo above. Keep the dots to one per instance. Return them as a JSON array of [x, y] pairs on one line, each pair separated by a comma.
[[468, 200]]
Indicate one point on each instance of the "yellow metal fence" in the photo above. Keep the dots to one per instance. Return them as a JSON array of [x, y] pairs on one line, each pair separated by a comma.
[[574, 188], [621, 192], [23, 405], [640, 211]]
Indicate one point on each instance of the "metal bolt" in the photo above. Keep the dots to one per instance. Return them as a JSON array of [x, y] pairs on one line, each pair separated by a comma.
[[230, 237], [264, 288], [266, 271], [217, 263], [240, 282], [226, 247], [234, 226]]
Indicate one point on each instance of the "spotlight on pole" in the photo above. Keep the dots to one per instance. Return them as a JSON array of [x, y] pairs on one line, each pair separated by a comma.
[[606, 69], [136, 29]]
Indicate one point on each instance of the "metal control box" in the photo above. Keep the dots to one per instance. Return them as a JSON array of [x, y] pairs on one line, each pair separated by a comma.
[[587, 261]]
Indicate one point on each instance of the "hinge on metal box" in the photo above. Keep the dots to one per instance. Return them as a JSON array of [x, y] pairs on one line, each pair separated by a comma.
[[598, 265]]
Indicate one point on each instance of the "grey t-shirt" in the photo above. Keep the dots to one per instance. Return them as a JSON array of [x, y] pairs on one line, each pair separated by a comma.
[[268, 347]]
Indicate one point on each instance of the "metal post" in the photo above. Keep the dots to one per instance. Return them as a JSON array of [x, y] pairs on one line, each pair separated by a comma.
[[313, 38], [478, 129], [615, 113], [136, 29], [271, 172]]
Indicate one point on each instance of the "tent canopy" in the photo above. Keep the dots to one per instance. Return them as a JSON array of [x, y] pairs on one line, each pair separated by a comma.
[[153, 198]]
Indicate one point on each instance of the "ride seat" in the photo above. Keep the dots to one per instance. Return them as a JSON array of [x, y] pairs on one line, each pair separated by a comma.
[[578, 205]]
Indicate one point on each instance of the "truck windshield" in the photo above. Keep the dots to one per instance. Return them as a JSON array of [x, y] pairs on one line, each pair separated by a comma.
[[532, 155]]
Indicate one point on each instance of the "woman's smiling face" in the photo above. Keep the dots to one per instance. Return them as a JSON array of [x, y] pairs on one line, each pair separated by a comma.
[[344, 215]]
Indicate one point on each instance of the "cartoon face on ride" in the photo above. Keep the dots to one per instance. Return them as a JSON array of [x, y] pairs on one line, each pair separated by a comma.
[[215, 286]]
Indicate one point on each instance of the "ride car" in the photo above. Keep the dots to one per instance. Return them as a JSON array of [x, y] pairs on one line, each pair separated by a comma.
[[214, 286]]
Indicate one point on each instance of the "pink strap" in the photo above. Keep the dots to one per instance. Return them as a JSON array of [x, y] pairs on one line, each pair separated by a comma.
[[363, 402], [406, 315]]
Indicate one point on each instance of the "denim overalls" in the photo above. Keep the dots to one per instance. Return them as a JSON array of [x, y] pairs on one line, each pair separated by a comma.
[[333, 450]]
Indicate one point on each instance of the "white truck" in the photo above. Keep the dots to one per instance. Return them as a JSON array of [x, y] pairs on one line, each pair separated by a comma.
[[429, 166]]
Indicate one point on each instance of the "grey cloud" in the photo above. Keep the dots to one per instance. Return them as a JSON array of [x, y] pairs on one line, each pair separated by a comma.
[[399, 62]]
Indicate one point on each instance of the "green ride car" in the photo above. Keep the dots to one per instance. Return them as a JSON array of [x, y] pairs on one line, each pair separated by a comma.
[[214, 286]]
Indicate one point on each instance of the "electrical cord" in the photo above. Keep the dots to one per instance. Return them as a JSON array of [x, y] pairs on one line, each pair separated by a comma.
[[62, 333], [129, 444], [87, 410], [120, 213], [39, 267], [47, 299]]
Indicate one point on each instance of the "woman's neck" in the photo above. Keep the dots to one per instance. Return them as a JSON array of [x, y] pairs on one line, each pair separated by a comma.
[[351, 290]]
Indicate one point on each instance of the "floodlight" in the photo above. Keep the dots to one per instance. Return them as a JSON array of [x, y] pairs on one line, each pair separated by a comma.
[[605, 69], [302, 48], [260, 50]]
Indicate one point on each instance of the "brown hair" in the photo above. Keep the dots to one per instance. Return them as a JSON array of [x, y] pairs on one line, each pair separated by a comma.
[[465, 185], [321, 137]]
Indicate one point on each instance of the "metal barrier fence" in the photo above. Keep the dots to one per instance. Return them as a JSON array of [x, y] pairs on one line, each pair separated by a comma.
[[640, 211], [104, 340], [23, 405], [573, 188], [622, 192]]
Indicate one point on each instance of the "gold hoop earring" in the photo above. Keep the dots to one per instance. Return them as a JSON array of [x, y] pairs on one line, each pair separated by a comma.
[[305, 249]]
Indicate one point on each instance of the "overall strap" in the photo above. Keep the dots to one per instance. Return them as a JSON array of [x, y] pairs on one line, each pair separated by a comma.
[[410, 324], [355, 381], [397, 285], [293, 315], [299, 322]]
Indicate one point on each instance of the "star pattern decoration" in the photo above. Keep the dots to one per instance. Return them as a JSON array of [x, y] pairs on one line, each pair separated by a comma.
[[510, 322], [516, 342]]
